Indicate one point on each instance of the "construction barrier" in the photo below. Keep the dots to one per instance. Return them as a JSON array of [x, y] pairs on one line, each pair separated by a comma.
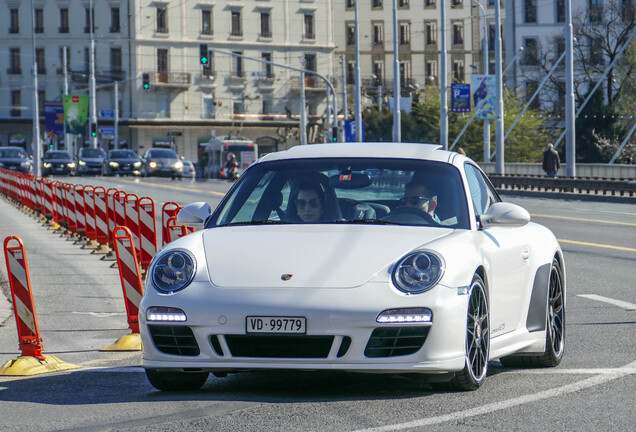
[[80, 211], [147, 231], [89, 213], [69, 204], [168, 210], [32, 360], [100, 207], [132, 287], [131, 210], [176, 231]]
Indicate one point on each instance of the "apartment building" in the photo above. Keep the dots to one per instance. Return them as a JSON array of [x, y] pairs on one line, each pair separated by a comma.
[[161, 42]]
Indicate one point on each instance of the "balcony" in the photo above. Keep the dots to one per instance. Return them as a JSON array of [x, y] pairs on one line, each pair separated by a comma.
[[178, 80], [312, 84], [263, 79]]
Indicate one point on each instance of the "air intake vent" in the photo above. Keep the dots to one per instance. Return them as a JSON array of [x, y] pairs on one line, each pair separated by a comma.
[[279, 346], [395, 341], [177, 340]]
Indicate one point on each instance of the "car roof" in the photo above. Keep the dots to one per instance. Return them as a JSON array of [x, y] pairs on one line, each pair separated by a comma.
[[371, 150]]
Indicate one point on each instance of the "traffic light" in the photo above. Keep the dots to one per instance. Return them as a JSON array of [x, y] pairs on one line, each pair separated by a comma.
[[145, 79], [334, 134], [94, 130], [204, 55]]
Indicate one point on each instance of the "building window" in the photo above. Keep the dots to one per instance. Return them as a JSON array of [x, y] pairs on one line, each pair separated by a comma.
[[403, 3], [267, 109], [378, 33], [531, 89], [431, 33], [237, 65], [267, 67], [457, 3], [351, 34], [162, 19], [40, 60], [14, 62], [162, 61], [560, 11], [115, 60], [238, 107], [596, 10], [492, 36], [237, 27], [429, 3], [351, 72], [530, 7], [206, 22], [14, 21], [350, 4], [309, 26], [88, 17], [209, 105], [531, 52], [458, 70], [378, 71], [39, 21], [596, 51], [266, 28], [114, 20], [405, 73], [405, 33], [431, 69], [310, 62], [64, 20], [16, 103], [376, 4], [458, 33]]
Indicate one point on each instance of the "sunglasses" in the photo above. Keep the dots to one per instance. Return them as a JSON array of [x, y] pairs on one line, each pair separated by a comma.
[[302, 203], [414, 200]]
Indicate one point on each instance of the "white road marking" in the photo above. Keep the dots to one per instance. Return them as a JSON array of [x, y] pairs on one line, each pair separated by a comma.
[[497, 406], [619, 303], [129, 369], [100, 314]]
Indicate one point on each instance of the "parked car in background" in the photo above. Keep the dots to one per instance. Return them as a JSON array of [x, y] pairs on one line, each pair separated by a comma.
[[162, 162], [123, 161], [397, 259], [188, 169], [16, 159], [58, 162], [90, 160]]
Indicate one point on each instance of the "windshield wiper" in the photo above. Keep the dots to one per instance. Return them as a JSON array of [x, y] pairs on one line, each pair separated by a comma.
[[363, 222], [243, 223]]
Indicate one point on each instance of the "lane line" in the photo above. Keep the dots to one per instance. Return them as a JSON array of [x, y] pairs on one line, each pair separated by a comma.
[[510, 403], [584, 220], [166, 186], [598, 245], [619, 303]]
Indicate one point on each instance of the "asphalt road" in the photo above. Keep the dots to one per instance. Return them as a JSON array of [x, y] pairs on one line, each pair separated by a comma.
[[80, 309]]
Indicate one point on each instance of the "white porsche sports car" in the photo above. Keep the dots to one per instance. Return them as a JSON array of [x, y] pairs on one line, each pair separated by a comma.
[[380, 258]]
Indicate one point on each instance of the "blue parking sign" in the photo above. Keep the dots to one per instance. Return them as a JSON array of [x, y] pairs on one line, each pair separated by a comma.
[[460, 97], [350, 131]]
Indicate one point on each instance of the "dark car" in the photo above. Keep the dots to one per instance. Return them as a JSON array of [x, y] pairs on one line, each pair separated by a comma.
[[15, 158], [58, 162], [124, 162], [90, 160], [162, 162]]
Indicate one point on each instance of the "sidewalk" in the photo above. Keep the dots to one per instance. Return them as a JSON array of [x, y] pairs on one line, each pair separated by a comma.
[[77, 296]]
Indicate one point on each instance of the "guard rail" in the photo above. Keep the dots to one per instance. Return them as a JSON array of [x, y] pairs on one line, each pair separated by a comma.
[[590, 185]]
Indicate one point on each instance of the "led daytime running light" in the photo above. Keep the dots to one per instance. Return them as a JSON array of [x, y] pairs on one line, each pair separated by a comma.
[[156, 313], [407, 315]]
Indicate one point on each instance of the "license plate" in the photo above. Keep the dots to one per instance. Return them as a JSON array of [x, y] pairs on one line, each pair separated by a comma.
[[272, 324]]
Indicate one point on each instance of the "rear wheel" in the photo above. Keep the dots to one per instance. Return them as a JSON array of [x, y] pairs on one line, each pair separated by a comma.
[[477, 342], [555, 327], [176, 381]]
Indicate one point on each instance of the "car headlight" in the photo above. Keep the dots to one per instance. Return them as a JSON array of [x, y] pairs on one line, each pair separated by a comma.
[[178, 164], [173, 271], [70, 165], [82, 163], [113, 164], [47, 165], [418, 272], [152, 164], [137, 164]]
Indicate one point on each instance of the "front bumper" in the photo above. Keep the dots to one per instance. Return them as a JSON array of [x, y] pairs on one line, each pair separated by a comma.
[[342, 332]]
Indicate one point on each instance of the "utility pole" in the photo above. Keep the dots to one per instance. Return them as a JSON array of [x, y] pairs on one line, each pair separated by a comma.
[[443, 115], [499, 108], [67, 140], [36, 147], [484, 70], [345, 107], [93, 96], [358, 91], [397, 115], [570, 117], [116, 128]]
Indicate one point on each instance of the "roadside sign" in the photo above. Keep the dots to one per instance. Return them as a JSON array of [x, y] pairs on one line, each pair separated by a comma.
[[460, 97], [350, 131], [107, 130], [107, 114]]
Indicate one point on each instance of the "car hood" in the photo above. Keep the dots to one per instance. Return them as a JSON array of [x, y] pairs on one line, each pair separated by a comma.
[[321, 256], [12, 161], [125, 160], [164, 161], [58, 160], [91, 159]]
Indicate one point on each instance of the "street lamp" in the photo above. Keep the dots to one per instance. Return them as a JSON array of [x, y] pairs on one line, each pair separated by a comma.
[[484, 69]]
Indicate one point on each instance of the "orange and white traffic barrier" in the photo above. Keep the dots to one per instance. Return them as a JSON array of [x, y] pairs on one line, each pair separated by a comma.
[[32, 360], [132, 287], [111, 193], [100, 206], [147, 230], [168, 210], [176, 231], [69, 200], [89, 215], [131, 211], [80, 211]]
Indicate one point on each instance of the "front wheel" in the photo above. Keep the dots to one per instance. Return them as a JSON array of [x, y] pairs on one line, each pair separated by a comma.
[[176, 381]]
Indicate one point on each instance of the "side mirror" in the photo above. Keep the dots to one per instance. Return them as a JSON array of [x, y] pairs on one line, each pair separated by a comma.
[[194, 215], [504, 214]]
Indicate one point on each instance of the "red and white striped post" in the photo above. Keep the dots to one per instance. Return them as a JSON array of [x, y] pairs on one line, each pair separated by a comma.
[[80, 211], [100, 200], [89, 212], [69, 199], [176, 231], [131, 211], [110, 205], [129, 274], [59, 202], [148, 231], [22, 295], [168, 210]]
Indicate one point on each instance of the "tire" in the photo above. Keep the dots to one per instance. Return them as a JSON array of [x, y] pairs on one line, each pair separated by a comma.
[[477, 342], [555, 327], [176, 381]]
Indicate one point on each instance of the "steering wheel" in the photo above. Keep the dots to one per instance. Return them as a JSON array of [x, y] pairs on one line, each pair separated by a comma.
[[412, 211]]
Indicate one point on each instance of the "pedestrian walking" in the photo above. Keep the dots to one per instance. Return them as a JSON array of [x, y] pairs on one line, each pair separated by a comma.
[[551, 161]]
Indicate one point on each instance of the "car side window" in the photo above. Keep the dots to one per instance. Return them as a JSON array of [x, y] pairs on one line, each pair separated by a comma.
[[481, 192]]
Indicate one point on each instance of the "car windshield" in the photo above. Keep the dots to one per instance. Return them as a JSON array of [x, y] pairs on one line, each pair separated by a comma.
[[12, 153], [57, 155], [92, 153], [122, 154], [358, 190], [162, 153]]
